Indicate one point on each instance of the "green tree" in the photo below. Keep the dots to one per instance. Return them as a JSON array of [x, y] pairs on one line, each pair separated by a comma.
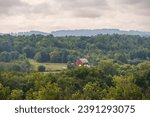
[[25, 66], [41, 57], [16, 94], [4, 91], [108, 67], [5, 56], [29, 51], [124, 89], [92, 91], [48, 92], [121, 58]]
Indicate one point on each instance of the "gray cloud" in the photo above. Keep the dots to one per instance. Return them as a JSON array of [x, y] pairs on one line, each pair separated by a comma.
[[17, 7], [83, 3], [69, 14], [43, 9], [138, 7], [10, 3], [6, 6], [77, 8], [144, 4], [137, 2], [87, 13], [84, 8]]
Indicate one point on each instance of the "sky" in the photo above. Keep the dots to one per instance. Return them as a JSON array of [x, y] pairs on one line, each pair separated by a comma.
[[52, 15]]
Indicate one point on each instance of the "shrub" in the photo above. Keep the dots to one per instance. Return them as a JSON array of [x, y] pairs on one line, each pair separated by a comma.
[[41, 68]]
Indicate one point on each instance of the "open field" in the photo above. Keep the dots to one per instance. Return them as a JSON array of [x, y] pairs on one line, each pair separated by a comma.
[[48, 66]]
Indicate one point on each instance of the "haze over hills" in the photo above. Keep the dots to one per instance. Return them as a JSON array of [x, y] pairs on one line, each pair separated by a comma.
[[30, 33], [83, 32]]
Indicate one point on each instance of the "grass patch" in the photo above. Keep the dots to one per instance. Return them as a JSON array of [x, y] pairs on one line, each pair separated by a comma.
[[48, 66]]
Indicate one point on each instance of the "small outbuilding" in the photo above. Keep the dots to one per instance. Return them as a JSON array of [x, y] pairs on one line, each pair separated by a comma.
[[82, 62]]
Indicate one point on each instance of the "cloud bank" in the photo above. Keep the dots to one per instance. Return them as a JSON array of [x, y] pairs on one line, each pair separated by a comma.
[[48, 15]]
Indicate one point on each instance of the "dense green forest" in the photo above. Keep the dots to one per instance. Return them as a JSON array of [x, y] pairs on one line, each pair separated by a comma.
[[120, 67], [120, 48]]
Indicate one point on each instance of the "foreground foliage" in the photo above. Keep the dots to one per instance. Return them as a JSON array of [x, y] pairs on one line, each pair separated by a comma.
[[107, 80]]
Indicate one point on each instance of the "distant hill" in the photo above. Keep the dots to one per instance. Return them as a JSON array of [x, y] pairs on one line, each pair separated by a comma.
[[30, 33], [1, 33], [85, 32]]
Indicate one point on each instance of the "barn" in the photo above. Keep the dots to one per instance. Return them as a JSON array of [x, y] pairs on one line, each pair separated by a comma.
[[82, 62]]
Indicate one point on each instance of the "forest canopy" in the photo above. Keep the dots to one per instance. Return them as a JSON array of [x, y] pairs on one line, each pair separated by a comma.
[[119, 67], [120, 48]]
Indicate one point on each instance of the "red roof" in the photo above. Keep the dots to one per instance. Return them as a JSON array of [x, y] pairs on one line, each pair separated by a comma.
[[82, 61]]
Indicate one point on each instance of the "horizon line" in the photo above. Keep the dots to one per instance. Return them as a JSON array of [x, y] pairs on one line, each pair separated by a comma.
[[74, 30]]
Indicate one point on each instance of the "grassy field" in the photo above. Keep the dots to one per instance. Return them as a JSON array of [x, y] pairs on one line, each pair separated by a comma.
[[48, 66]]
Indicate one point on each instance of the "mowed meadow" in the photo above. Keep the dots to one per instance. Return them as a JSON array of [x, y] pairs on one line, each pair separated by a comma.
[[49, 67]]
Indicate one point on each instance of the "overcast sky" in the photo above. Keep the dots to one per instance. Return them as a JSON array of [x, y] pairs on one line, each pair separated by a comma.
[[49, 15]]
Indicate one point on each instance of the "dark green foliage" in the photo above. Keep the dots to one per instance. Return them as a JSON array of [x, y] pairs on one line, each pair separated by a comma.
[[41, 56], [4, 91], [16, 66], [120, 48], [41, 68]]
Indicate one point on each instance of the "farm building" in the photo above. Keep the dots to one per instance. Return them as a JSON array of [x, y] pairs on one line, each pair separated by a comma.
[[82, 62]]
